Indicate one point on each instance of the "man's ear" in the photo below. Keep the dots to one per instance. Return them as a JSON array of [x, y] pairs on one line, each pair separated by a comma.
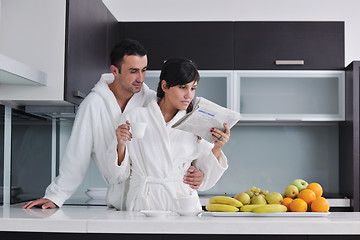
[[163, 85], [114, 70]]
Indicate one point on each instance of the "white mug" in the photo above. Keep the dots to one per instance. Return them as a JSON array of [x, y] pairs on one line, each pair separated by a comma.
[[188, 203], [138, 129]]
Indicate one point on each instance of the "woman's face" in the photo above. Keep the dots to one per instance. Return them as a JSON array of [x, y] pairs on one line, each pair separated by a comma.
[[180, 96]]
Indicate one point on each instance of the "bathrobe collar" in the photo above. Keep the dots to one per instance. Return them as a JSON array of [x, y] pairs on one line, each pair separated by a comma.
[[102, 88]]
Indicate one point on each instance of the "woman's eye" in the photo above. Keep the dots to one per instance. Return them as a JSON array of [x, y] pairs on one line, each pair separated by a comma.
[[193, 89], [181, 87]]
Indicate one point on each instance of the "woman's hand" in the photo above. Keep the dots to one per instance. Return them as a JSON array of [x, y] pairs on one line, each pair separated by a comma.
[[122, 135], [221, 139]]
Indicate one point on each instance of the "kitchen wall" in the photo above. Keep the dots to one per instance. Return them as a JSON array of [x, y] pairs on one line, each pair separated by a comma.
[[26, 37]]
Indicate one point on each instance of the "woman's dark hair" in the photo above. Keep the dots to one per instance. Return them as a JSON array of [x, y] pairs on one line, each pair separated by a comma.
[[177, 71], [125, 47]]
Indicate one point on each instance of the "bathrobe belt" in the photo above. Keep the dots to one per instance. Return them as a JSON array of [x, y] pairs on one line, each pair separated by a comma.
[[166, 182]]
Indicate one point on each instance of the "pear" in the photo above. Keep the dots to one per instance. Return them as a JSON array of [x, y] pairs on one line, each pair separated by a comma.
[[291, 191], [250, 193], [244, 198], [274, 198], [258, 199]]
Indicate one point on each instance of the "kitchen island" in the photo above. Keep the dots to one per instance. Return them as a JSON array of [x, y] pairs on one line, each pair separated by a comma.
[[73, 221]]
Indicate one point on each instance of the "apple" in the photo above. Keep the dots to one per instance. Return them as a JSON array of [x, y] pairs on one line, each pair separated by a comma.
[[244, 198], [291, 191], [274, 198], [300, 184], [258, 199]]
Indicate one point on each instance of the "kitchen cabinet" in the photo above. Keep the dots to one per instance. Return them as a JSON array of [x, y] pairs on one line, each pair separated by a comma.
[[213, 85], [208, 44], [289, 45], [290, 95], [69, 41], [349, 167], [91, 32]]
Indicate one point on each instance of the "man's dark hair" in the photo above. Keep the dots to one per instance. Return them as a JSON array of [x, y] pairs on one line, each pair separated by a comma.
[[126, 47]]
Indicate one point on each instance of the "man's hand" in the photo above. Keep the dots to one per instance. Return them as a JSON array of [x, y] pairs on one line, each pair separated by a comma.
[[42, 202], [194, 177], [123, 134]]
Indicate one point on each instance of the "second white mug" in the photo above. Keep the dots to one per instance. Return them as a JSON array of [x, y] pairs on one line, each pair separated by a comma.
[[138, 129]]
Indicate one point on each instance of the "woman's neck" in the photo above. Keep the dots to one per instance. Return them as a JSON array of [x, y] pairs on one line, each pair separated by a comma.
[[167, 110]]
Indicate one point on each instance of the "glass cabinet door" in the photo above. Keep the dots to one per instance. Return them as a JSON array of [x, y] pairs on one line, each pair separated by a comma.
[[213, 85], [290, 95]]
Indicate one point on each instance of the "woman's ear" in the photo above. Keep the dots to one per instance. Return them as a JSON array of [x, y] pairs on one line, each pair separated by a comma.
[[164, 85]]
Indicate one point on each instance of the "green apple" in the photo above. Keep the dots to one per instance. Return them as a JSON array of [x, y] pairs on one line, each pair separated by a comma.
[[258, 199], [291, 191], [300, 184], [244, 198], [274, 198]]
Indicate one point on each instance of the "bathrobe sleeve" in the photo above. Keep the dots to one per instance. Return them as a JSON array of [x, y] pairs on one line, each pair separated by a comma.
[[76, 159], [112, 172], [212, 168]]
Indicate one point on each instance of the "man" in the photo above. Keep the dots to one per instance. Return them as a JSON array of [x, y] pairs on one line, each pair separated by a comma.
[[93, 134]]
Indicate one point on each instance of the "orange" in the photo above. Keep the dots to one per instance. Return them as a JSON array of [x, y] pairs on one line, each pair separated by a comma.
[[307, 195], [298, 205], [316, 188], [286, 202], [320, 205]]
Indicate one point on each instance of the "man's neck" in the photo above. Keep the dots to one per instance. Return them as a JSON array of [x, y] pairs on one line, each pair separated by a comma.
[[122, 96]]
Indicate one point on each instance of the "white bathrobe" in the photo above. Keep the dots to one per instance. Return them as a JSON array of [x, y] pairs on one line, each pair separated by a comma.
[[161, 158], [93, 135]]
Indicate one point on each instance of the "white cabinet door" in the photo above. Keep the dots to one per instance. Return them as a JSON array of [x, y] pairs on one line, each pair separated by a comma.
[[290, 95]]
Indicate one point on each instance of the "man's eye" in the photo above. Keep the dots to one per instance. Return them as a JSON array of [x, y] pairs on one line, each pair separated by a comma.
[[182, 87], [193, 89]]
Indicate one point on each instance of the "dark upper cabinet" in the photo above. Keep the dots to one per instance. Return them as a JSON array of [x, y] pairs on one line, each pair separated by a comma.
[[349, 131], [208, 44], [258, 45], [91, 32]]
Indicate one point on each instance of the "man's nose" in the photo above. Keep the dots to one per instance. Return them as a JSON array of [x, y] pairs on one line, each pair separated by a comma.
[[141, 77]]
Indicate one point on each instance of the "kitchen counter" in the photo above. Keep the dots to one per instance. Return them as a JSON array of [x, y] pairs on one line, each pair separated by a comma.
[[100, 219]]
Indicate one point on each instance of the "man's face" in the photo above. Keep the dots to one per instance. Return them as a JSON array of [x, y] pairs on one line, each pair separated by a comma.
[[132, 72]]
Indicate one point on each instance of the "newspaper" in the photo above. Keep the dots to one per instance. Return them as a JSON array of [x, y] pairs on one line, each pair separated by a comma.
[[206, 115]]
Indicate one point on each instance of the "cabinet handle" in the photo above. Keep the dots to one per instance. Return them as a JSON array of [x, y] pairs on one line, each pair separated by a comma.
[[79, 94], [289, 62]]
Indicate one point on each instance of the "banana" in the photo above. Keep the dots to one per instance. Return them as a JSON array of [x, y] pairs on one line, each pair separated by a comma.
[[215, 207], [251, 207], [225, 200], [270, 208]]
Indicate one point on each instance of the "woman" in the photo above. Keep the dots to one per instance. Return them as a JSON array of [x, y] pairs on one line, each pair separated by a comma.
[[160, 159]]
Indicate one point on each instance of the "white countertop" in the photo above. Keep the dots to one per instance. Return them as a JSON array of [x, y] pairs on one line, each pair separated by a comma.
[[100, 219]]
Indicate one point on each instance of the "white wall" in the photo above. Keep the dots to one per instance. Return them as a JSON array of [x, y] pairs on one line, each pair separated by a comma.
[[245, 10], [33, 32]]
